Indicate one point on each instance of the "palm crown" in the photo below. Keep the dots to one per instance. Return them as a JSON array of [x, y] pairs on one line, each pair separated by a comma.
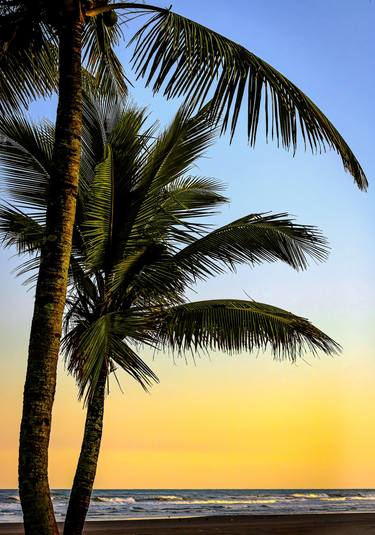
[[139, 244]]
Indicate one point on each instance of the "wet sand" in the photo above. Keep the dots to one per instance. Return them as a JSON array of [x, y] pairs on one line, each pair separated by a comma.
[[308, 524]]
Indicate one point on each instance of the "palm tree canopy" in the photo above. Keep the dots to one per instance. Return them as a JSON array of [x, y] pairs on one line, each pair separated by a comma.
[[29, 40], [174, 55], [139, 243]]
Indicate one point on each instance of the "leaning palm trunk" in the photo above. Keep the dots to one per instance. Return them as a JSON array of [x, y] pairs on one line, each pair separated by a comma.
[[86, 469], [51, 288]]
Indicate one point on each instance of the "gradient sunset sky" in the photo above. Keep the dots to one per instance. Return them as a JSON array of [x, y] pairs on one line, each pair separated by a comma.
[[246, 421]]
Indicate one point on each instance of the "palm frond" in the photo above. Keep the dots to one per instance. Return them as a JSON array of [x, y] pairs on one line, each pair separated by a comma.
[[160, 283], [125, 357], [184, 199], [30, 268], [86, 350], [170, 158], [88, 345], [236, 325], [100, 58], [28, 60], [26, 160], [99, 217], [133, 324], [82, 284], [179, 146], [147, 276], [93, 140], [186, 58], [20, 230], [129, 138], [253, 239], [192, 196], [123, 130]]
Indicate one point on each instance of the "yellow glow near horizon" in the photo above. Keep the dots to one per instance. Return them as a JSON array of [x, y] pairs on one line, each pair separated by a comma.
[[236, 422]]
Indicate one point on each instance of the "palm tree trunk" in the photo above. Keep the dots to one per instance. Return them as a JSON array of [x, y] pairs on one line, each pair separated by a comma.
[[80, 495], [50, 294]]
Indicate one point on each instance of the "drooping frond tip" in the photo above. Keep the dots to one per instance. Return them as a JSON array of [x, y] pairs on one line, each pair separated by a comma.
[[236, 325], [254, 239], [188, 59]]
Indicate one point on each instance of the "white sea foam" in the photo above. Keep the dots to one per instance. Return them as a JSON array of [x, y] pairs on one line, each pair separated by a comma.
[[310, 495], [335, 499], [167, 498], [106, 499], [229, 501]]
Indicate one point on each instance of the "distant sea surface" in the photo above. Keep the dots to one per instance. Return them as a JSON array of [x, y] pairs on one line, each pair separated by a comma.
[[127, 504]]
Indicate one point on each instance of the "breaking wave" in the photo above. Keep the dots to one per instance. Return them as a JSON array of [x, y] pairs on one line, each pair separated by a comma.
[[106, 499], [166, 498], [310, 495]]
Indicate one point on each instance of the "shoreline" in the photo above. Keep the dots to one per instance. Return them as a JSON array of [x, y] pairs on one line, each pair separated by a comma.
[[295, 524]]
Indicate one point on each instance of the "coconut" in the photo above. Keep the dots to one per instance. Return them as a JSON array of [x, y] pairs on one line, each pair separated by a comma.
[[110, 18]]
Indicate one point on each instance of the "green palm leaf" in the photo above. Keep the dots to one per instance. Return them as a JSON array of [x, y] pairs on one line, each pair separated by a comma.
[[28, 57], [190, 197], [253, 239], [179, 146], [186, 58], [93, 139], [98, 225], [81, 283], [170, 157], [100, 59], [128, 360], [30, 269], [26, 160], [129, 137], [20, 230], [184, 199], [250, 240], [89, 344], [234, 325], [86, 349]]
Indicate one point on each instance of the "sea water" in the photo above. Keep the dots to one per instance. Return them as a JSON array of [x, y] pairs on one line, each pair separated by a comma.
[[127, 504]]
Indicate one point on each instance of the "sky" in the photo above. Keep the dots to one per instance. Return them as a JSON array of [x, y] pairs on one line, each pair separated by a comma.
[[247, 421]]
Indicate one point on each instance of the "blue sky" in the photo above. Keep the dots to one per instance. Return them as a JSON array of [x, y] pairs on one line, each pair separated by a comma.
[[327, 48]]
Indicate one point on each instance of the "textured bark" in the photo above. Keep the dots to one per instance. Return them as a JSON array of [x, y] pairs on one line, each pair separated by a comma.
[[80, 495], [52, 282]]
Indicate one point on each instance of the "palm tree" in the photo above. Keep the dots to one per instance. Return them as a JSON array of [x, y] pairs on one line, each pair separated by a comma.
[[43, 46], [138, 246]]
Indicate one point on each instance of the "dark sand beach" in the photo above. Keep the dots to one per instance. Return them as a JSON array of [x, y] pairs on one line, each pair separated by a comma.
[[307, 524]]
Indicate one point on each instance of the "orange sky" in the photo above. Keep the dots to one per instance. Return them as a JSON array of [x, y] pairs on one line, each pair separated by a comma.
[[232, 422]]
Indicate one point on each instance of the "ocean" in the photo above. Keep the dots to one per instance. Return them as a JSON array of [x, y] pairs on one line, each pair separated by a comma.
[[127, 504]]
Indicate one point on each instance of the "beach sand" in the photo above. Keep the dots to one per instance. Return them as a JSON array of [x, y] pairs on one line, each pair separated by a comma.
[[308, 524]]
